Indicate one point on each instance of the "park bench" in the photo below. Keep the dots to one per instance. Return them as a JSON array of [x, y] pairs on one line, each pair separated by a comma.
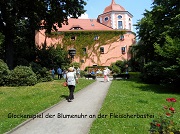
[[124, 76], [90, 76]]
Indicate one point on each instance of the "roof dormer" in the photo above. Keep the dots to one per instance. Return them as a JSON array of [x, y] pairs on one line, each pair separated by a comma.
[[76, 27]]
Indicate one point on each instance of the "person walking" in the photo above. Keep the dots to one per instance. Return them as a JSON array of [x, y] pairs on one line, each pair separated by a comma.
[[105, 73], [71, 80], [108, 73], [78, 72], [59, 72], [64, 73], [53, 73]]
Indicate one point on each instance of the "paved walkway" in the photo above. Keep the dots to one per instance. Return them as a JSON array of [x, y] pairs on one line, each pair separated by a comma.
[[87, 102]]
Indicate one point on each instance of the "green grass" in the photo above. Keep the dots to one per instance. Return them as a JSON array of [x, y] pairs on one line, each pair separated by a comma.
[[132, 97], [31, 100]]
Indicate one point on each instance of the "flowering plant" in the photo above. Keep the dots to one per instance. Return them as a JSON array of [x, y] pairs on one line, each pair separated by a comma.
[[164, 124]]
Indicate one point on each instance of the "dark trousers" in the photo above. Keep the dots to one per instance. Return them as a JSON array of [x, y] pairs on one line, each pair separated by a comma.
[[71, 92], [59, 76]]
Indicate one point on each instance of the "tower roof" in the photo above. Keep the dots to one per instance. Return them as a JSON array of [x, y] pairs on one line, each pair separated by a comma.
[[113, 7]]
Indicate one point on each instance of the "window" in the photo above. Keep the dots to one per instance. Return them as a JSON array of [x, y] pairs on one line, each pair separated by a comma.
[[119, 17], [102, 50], [122, 37], [82, 61], [106, 19], [120, 25], [76, 28], [96, 37], [123, 49], [73, 37], [42, 27], [84, 50], [129, 26]]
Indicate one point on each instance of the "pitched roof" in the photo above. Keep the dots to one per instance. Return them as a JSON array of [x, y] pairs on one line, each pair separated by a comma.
[[83, 24]]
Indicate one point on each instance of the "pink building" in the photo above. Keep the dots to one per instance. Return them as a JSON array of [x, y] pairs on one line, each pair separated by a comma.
[[114, 18]]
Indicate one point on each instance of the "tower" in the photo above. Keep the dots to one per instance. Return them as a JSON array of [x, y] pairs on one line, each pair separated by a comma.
[[117, 17]]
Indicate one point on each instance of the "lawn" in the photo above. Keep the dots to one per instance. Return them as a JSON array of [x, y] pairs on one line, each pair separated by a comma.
[[131, 97], [31, 100]]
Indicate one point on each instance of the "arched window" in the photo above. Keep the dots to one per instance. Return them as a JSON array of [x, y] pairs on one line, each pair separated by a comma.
[[119, 17]]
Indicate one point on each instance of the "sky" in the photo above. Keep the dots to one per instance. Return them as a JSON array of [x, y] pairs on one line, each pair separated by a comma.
[[136, 8]]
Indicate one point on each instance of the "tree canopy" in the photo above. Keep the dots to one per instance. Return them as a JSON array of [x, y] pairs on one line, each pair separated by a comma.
[[158, 33], [33, 12]]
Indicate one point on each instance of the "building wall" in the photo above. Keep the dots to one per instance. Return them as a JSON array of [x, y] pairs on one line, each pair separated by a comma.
[[113, 19], [112, 52], [40, 39]]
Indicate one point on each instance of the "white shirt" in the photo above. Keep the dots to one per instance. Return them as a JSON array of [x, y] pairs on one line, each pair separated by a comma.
[[71, 78], [105, 72]]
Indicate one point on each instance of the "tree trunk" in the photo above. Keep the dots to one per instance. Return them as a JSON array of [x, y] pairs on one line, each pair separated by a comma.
[[9, 48]]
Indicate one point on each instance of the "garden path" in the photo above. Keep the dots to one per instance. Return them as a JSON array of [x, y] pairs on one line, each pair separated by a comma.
[[87, 102]]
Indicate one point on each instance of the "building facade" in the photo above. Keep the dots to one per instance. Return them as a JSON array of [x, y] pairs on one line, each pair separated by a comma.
[[114, 19]]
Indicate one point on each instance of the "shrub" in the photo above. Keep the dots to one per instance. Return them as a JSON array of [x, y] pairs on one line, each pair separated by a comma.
[[152, 73], [82, 73], [22, 76], [42, 73], [115, 69], [121, 65], [75, 64], [4, 72]]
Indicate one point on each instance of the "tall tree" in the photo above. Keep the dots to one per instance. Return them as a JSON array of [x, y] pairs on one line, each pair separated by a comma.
[[50, 11], [1, 45], [166, 16], [158, 32], [147, 36]]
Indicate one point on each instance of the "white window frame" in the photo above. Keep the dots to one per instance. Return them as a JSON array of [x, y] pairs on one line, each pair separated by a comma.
[[118, 24]]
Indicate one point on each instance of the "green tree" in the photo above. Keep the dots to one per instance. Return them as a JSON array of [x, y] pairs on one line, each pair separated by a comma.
[[166, 17], [50, 11], [24, 47], [158, 32], [51, 57], [170, 52], [162, 20], [1, 45], [147, 36]]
